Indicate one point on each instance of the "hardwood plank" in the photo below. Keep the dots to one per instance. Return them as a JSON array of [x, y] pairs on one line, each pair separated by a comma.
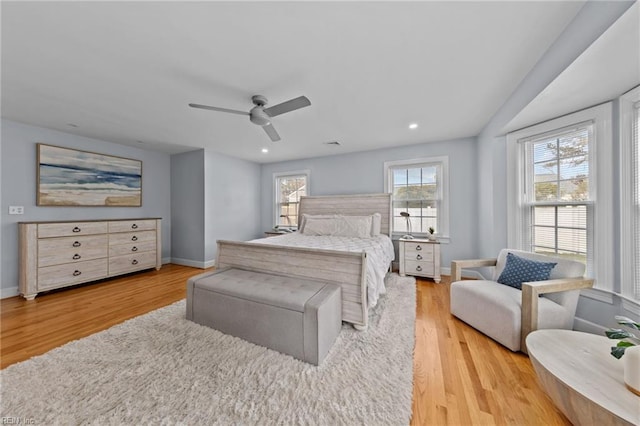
[[461, 377]]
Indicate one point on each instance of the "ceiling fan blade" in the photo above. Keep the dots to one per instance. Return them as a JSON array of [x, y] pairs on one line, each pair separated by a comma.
[[232, 111], [290, 105], [275, 137]]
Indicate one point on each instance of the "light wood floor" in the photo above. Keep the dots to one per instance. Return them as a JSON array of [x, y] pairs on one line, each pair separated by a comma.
[[461, 377]]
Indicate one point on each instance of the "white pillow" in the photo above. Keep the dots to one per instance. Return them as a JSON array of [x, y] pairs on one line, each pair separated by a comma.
[[354, 226], [345, 226], [305, 216], [376, 224], [319, 225]]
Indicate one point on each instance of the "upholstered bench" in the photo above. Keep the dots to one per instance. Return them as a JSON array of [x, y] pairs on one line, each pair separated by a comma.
[[298, 317]]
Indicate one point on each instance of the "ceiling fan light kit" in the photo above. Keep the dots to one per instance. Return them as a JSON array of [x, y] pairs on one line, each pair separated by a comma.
[[262, 116]]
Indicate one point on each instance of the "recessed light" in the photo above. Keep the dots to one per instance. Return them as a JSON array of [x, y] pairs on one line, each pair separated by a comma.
[[265, 150], [413, 126]]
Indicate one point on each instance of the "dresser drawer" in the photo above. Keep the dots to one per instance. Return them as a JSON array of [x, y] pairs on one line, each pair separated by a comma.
[[130, 248], [48, 230], [131, 262], [411, 249], [56, 276], [55, 251], [131, 237], [418, 268], [132, 225]]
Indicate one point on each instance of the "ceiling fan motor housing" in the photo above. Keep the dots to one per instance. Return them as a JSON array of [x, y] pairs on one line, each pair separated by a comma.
[[258, 116]]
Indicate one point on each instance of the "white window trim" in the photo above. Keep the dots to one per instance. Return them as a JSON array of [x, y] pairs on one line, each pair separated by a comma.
[[627, 249], [274, 184], [443, 234], [601, 173]]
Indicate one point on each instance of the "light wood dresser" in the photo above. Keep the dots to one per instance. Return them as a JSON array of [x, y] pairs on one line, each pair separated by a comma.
[[61, 254], [420, 257]]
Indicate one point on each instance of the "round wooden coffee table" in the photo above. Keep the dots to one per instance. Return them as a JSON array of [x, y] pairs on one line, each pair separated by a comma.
[[582, 378]]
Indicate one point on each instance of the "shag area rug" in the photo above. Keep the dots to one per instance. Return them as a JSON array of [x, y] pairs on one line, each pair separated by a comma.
[[160, 368]]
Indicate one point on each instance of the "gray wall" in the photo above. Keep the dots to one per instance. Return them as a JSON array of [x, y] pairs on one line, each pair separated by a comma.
[[19, 188], [232, 201], [592, 20], [187, 208], [214, 197], [363, 172]]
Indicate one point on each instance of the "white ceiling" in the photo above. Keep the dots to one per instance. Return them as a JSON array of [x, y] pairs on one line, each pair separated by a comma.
[[125, 72], [607, 69]]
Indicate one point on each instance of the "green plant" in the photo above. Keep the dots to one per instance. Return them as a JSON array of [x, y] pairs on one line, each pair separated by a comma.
[[628, 339], [431, 230]]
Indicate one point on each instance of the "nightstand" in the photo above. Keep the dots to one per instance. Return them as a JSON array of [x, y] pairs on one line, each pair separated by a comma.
[[420, 257]]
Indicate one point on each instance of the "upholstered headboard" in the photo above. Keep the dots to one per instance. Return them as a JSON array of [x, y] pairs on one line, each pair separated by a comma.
[[349, 205]]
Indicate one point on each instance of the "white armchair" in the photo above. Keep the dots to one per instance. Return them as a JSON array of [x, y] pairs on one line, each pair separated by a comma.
[[508, 315]]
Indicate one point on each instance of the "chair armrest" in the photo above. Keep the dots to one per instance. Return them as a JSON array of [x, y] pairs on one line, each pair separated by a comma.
[[457, 265], [530, 293]]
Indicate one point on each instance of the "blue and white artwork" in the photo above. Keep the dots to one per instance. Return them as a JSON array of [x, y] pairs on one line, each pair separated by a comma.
[[69, 177]]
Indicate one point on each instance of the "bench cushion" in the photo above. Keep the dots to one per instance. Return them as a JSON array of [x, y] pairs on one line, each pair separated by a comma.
[[284, 292], [295, 316]]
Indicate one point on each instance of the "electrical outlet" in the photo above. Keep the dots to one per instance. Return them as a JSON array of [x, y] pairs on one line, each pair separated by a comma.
[[16, 209]]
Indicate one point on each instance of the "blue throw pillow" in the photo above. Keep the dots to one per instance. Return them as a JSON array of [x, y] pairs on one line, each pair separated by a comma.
[[519, 270]]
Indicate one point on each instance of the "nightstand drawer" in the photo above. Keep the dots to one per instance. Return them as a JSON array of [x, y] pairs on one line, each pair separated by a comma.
[[418, 256], [418, 268], [411, 249]]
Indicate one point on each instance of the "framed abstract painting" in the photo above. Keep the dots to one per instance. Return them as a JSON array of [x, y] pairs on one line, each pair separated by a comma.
[[71, 177]]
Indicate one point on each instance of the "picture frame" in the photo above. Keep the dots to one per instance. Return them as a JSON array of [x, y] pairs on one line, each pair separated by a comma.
[[69, 177]]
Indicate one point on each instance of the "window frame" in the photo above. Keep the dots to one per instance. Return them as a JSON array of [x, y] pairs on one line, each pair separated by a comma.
[[276, 193], [600, 237], [629, 107], [443, 190]]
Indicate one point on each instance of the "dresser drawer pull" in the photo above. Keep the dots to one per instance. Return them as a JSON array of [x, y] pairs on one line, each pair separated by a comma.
[[134, 262], [134, 248], [76, 229], [418, 268], [418, 247], [76, 273], [76, 256], [76, 244], [134, 238], [134, 226], [419, 257]]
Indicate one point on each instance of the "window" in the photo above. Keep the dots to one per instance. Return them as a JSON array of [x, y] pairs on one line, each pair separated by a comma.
[[559, 191], [557, 199], [630, 196], [289, 188], [419, 187]]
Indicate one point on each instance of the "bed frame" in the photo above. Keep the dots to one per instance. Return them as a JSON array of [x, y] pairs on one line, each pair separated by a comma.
[[346, 269]]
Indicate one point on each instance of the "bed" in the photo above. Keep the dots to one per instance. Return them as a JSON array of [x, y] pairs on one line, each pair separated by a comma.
[[357, 265]]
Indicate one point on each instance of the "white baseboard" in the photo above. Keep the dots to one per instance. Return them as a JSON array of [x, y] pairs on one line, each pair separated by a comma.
[[165, 260], [9, 292], [193, 263]]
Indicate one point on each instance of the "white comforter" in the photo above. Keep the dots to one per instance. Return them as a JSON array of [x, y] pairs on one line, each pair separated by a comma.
[[379, 251]]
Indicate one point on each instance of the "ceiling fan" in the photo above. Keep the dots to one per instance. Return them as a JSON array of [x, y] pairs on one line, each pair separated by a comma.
[[262, 116]]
